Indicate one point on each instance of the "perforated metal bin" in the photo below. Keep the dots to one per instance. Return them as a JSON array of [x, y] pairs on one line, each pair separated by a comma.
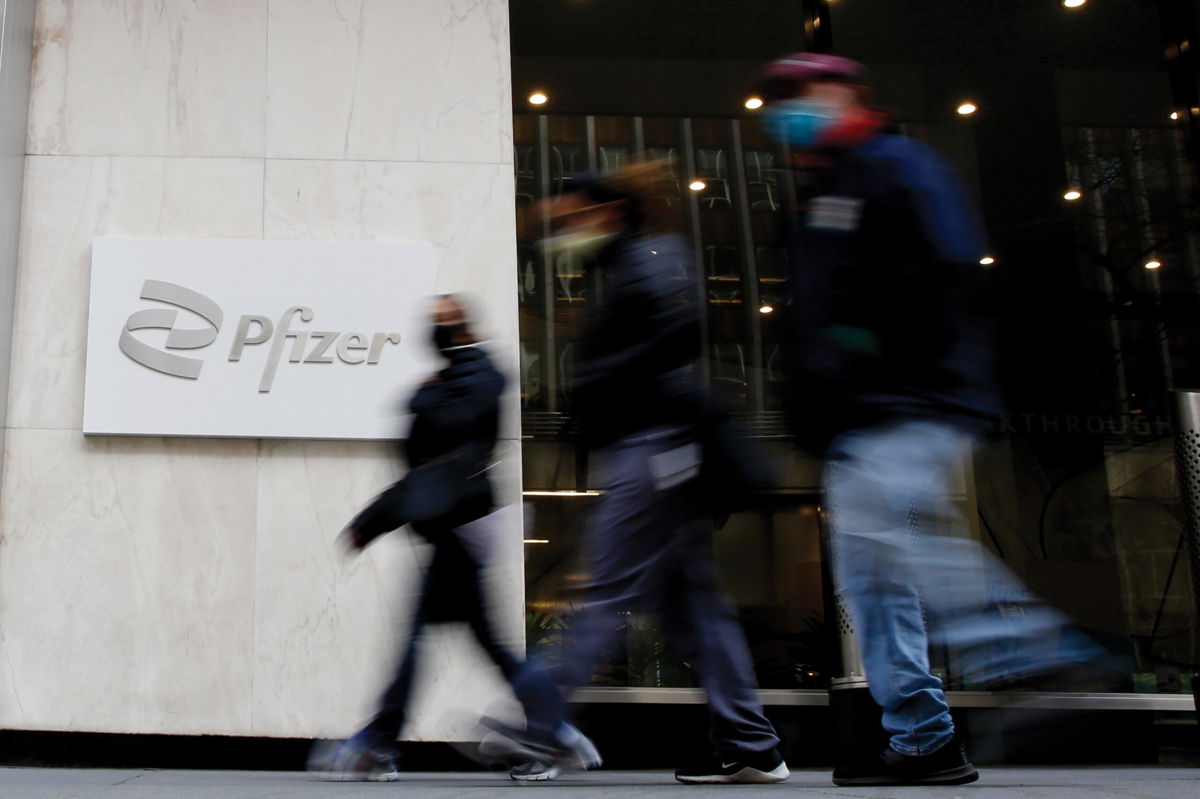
[[1187, 460]]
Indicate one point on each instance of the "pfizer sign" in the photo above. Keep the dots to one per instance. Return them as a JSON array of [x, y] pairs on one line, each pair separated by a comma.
[[254, 338]]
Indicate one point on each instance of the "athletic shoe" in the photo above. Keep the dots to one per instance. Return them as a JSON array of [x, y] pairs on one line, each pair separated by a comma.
[[743, 767], [539, 759], [507, 748], [946, 766], [360, 759], [536, 770]]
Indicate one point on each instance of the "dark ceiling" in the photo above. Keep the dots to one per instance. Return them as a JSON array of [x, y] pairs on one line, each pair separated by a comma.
[[750, 30], [1100, 35], [696, 57]]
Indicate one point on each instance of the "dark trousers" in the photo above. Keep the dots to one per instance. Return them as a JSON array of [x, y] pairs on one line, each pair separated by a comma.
[[651, 551], [452, 592]]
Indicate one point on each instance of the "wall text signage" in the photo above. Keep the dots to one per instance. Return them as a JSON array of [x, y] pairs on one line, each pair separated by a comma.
[[258, 338]]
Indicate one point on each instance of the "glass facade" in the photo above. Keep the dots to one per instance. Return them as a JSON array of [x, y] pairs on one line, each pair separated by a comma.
[[1075, 490]]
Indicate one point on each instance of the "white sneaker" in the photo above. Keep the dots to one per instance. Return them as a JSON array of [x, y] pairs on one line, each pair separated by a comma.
[[352, 761], [574, 752]]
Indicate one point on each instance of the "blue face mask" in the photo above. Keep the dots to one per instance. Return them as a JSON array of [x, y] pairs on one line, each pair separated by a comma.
[[799, 122]]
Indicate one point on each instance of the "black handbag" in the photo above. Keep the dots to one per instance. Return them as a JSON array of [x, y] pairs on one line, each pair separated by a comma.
[[447, 492], [452, 488], [736, 470]]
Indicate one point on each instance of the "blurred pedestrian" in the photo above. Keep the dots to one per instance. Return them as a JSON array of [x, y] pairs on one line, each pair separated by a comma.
[[637, 393], [445, 495], [893, 378]]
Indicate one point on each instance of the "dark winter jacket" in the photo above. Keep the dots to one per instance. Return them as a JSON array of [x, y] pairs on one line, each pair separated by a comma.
[[456, 417], [638, 350], [459, 407], [890, 314]]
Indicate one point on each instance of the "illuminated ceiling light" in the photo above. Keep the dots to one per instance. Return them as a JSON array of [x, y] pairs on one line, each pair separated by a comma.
[[1175, 115], [1153, 263], [1074, 3], [560, 493], [753, 103], [987, 260], [697, 185], [966, 109], [538, 98], [765, 308], [537, 540], [1072, 195]]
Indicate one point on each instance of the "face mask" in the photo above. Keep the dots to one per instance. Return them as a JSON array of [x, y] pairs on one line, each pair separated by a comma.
[[580, 244], [443, 336], [799, 122]]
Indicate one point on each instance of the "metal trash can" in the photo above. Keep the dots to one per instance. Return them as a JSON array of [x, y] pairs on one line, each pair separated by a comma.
[[853, 672], [1187, 461], [857, 721]]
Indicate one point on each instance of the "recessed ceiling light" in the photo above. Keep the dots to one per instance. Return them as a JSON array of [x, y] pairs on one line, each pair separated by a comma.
[[1153, 263], [987, 260], [966, 109], [765, 308], [1074, 3], [538, 98], [753, 103], [697, 185], [1072, 195]]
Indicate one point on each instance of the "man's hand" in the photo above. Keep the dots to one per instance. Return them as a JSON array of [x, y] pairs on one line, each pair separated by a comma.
[[349, 542]]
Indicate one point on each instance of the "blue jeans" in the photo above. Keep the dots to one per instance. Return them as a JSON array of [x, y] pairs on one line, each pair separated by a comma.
[[901, 556]]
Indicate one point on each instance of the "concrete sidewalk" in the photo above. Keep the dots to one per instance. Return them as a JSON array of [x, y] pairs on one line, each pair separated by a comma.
[[1101, 782]]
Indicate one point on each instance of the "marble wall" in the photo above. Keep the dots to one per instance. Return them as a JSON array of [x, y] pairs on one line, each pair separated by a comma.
[[16, 46], [191, 586]]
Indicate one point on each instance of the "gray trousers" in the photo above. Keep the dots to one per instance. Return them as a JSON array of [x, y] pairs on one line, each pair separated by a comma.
[[651, 551]]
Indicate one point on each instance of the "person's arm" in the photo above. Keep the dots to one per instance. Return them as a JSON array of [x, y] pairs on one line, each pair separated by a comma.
[[944, 209], [948, 287], [384, 514]]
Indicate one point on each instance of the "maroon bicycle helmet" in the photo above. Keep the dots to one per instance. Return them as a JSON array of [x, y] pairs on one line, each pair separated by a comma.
[[784, 76]]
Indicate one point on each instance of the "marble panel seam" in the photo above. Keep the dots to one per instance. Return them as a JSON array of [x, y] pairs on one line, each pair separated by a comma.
[[431, 161], [45, 429], [150, 156], [258, 524], [99, 436]]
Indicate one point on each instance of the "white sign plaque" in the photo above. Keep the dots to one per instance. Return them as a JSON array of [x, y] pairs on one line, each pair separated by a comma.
[[256, 338]]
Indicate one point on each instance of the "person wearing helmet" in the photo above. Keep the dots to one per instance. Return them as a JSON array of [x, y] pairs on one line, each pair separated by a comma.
[[891, 363], [893, 372]]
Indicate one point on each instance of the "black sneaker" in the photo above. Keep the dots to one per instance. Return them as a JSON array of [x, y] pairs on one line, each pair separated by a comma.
[[946, 766], [744, 767]]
